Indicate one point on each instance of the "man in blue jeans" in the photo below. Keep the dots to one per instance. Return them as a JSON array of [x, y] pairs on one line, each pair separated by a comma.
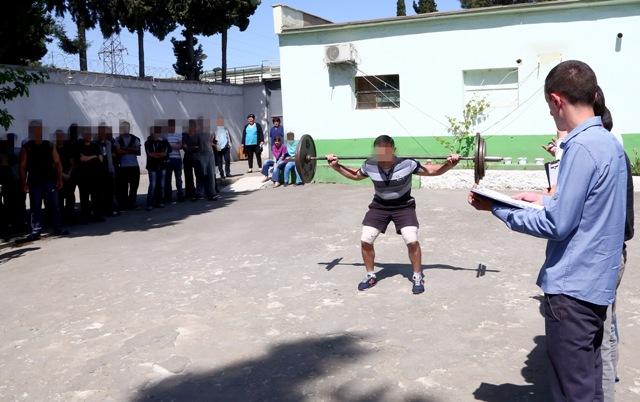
[[583, 222], [41, 175], [174, 167], [158, 151]]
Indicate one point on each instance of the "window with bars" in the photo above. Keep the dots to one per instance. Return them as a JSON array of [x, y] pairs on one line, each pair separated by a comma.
[[378, 92]]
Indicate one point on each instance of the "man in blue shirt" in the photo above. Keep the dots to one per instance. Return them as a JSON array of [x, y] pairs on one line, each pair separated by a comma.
[[584, 224]]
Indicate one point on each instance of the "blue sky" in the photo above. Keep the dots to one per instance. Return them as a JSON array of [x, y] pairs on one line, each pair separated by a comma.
[[256, 44]]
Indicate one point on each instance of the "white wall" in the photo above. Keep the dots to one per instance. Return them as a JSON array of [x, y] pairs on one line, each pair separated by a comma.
[[88, 99], [430, 54]]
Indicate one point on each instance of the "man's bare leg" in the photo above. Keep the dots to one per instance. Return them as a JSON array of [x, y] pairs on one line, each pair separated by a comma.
[[368, 255], [415, 256]]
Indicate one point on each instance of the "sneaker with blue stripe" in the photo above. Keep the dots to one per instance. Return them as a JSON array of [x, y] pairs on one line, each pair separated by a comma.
[[418, 284], [368, 282]]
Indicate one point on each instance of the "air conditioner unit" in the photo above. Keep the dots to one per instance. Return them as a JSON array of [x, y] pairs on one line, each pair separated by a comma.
[[340, 53]]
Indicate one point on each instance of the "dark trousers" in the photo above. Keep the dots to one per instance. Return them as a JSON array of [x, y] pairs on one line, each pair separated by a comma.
[[90, 196], [128, 180], [46, 192], [174, 168], [67, 199], [225, 154], [251, 150], [192, 167], [108, 193], [13, 198], [574, 331]]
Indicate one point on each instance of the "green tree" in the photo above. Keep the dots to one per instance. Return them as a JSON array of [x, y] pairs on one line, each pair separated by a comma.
[[188, 57], [228, 13], [138, 16], [86, 14], [401, 8], [425, 6], [25, 29], [14, 83], [467, 4], [475, 111], [209, 17], [192, 15]]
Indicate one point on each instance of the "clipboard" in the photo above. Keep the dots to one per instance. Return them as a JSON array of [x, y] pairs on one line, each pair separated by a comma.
[[505, 199], [551, 168]]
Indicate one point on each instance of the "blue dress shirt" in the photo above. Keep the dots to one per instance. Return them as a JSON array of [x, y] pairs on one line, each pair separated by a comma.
[[584, 219]]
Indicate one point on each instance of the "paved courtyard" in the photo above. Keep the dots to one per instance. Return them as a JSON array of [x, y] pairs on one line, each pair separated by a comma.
[[253, 298]]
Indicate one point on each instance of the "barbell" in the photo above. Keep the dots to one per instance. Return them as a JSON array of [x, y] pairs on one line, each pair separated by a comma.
[[306, 158]]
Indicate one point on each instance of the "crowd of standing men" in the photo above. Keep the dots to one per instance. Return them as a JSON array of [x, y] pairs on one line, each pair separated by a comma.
[[105, 170]]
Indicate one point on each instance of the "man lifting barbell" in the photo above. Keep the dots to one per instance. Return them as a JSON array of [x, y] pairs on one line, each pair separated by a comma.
[[392, 202]]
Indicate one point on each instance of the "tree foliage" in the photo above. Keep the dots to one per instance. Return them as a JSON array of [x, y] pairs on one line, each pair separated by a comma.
[[425, 6], [25, 29], [401, 8], [138, 16], [467, 4], [86, 14], [473, 114], [232, 13], [14, 83], [210, 17], [188, 63], [69, 45]]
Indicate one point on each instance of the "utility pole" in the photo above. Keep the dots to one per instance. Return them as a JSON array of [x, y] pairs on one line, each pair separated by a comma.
[[111, 55]]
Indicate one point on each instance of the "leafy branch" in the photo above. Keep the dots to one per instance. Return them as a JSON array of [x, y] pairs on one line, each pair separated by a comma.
[[14, 83], [472, 115], [635, 164]]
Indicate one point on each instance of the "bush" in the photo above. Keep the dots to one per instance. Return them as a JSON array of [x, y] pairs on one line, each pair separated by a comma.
[[635, 163]]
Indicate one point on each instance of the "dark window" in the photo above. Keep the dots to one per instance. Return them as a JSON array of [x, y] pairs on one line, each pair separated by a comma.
[[378, 92]]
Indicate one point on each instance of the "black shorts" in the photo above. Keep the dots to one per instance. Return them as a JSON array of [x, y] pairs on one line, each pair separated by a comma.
[[379, 216]]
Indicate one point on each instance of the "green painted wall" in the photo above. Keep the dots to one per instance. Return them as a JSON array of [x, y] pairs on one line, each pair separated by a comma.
[[528, 146]]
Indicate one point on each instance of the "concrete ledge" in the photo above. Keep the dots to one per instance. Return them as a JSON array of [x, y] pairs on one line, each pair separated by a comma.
[[496, 179]]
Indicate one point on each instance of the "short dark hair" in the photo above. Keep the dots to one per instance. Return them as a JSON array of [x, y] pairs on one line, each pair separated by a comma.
[[276, 119], [277, 138], [383, 140], [253, 116], [73, 128], [574, 80]]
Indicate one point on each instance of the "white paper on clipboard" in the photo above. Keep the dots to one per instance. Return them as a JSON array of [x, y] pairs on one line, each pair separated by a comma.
[[505, 199]]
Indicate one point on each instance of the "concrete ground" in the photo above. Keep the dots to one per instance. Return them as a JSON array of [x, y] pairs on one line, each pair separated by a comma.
[[253, 298]]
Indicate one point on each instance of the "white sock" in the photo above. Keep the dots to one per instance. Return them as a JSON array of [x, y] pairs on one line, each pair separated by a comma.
[[371, 274], [417, 275]]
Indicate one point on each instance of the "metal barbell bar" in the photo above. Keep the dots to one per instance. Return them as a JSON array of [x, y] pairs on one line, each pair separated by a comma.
[[306, 158]]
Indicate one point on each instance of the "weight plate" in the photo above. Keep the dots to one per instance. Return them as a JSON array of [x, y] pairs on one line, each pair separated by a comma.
[[305, 158], [478, 160]]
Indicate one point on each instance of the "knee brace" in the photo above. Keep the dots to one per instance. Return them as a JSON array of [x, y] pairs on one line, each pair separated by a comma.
[[369, 234], [409, 234]]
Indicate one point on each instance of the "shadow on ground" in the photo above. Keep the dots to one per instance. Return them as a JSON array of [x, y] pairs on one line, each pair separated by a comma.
[[534, 373], [15, 253], [294, 371], [135, 220], [387, 270]]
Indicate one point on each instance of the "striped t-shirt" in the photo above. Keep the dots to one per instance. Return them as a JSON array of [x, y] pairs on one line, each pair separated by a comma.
[[393, 186]]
